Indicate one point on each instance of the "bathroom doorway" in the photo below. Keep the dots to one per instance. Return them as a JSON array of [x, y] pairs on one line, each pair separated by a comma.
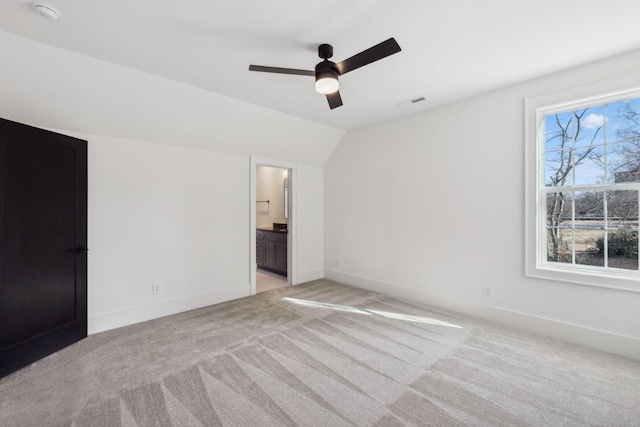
[[272, 226]]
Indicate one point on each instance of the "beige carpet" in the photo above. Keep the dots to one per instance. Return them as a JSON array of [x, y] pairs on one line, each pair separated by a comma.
[[322, 354]]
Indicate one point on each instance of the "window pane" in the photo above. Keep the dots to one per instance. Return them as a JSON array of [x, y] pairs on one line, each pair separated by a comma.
[[559, 245], [624, 162], [558, 131], [589, 167], [589, 208], [586, 246], [591, 130], [558, 209], [624, 124], [622, 248], [622, 209], [554, 165]]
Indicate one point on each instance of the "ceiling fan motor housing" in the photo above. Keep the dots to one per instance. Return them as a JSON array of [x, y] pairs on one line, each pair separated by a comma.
[[326, 69]]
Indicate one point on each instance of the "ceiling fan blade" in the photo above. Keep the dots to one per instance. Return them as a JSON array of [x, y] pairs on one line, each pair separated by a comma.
[[334, 99], [281, 70], [373, 54]]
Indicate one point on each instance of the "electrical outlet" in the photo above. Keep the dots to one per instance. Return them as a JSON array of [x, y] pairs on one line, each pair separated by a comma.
[[156, 288], [336, 262], [487, 291]]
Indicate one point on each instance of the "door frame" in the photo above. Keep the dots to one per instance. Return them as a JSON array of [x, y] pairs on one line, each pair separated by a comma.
[[292, 270]]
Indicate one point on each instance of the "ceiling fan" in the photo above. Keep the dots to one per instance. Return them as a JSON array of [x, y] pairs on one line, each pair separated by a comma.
[[327, 72]]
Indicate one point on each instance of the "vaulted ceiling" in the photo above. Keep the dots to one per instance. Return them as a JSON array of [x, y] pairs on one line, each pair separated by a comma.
[[450, 49]]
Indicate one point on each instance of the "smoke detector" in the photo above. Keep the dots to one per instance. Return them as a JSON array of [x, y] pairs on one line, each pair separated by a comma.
[[47, 11]]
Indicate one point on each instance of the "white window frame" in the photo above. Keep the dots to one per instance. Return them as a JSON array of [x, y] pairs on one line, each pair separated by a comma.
[[536, 108]]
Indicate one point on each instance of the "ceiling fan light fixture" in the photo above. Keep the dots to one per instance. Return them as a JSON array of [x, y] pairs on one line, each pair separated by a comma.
[[326, 78], [327, 84]]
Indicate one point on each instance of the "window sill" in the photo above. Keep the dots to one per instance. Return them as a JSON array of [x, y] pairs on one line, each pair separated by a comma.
[[624, 281]]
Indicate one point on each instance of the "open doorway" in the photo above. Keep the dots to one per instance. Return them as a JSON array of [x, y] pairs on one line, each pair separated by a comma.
[[272, 227]]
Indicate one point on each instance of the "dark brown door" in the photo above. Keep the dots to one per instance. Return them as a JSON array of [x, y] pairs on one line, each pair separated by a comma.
[[43, 241]]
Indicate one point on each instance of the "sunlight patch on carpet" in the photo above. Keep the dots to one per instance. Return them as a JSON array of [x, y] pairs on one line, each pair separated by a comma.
[[369, 312]]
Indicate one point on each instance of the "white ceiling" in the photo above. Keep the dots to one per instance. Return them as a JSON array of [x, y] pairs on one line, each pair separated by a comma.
[[450, 49]]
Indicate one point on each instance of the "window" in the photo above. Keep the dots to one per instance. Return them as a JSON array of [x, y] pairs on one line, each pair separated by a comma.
[[586, 175]]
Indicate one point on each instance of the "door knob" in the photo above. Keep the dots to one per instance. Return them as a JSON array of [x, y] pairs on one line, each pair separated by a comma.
[[80, 250]]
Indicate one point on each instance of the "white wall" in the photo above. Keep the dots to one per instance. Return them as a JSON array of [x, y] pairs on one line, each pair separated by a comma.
[[180, 217], [165, 205], [269, 186], [309, 219], [163, 214], [431, 207]]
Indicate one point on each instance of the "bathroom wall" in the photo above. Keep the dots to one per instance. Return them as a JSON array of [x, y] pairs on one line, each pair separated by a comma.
[[269, 186]]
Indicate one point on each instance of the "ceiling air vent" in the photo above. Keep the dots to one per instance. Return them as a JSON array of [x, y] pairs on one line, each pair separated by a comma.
[[411, 102]]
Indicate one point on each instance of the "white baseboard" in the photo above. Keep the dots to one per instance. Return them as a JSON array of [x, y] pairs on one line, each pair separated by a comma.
[[309, 275], [588, 337], [129, 316]]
